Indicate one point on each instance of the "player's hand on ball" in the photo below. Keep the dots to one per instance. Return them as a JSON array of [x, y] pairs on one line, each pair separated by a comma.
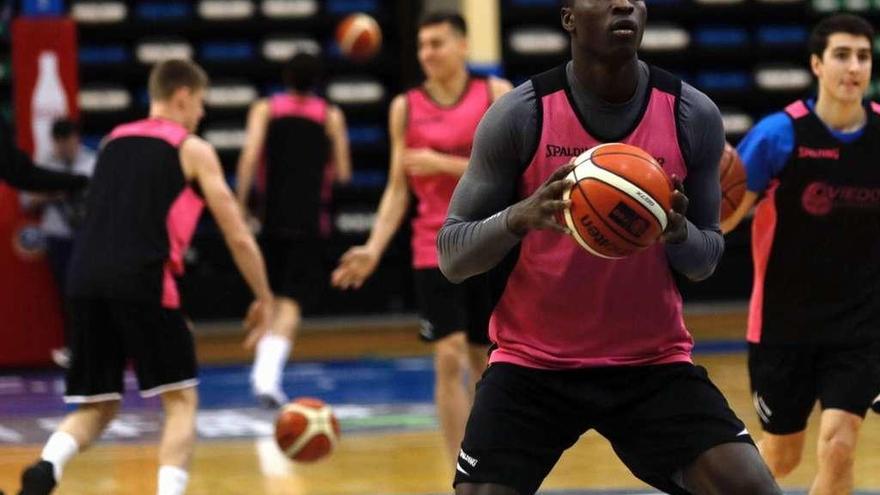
[[676, 228], [257, 321], [355, 267], [539, 211]]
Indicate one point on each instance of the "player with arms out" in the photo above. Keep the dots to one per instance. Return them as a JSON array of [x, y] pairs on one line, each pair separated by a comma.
[[814, 317], [432, 129], [570, 351], [151, 181], [304, 142]]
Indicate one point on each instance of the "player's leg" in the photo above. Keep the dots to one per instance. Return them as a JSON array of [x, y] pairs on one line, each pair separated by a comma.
[[178, 440], [272, 352], [848, 380], [443, 314], [94, 382], [297, 275], [784, 390], [674, 430], [478, 359], [478, 300], [161, 346], [452, 399], [838, 435], [521, 422], [729, 469], [782, 453]]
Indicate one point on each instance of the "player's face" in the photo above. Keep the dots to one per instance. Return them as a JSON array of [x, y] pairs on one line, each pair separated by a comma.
[[193, 107], [844, 71], [606, 29], [442, 50]]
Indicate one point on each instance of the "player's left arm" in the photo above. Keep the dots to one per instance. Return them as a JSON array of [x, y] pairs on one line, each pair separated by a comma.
[[697, 245], [249, 160]]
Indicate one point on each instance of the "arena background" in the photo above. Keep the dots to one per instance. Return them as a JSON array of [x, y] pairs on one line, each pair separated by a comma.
[[748, 55]]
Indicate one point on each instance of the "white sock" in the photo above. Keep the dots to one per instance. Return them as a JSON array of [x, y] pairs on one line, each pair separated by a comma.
[[172, 480], [58, 450], [272, 354]]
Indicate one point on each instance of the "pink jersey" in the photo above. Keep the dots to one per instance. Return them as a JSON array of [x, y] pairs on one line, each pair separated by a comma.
[[563, 308], [449, 130]]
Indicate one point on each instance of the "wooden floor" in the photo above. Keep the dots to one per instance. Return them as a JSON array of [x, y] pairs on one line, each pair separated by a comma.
[[393, 463]]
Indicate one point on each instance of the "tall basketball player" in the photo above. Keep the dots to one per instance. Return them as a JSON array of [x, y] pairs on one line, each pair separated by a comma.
[[432, 129], [814, 318], [582, 342], [151, 181], [304, 142]]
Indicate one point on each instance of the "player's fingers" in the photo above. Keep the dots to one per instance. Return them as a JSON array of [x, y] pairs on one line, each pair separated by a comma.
[[556, 188], [556, 205], [561, 172], [679, 202], [552, 224]]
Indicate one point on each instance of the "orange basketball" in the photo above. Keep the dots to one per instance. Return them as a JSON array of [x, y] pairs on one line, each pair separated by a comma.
[[306, 429], [359, 37], [733, 181], [619, 200]]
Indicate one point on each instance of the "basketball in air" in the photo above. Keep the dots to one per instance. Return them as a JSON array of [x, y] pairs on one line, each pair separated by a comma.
[[359, 37], [733, 181], [619, 200], [306, 430]]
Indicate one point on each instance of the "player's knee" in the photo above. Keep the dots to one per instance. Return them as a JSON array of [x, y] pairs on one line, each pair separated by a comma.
[[837, 451], [448, 360], [180, 401], [105, 410], [782, 461]]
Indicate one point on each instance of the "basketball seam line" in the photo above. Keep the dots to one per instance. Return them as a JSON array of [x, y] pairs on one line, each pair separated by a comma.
[[652, 162]]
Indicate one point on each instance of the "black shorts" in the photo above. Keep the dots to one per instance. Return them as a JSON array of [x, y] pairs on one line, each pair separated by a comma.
[[106, 334], [658, 419], [445, 307], [295, 266], [787, 380]]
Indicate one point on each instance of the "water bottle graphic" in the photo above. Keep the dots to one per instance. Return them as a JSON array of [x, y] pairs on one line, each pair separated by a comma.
[[49, 103]]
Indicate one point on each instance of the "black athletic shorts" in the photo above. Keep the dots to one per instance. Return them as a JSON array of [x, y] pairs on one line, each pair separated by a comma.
[[295, 266], [107, 334], [787, 380], [445, 307], [658, 419]]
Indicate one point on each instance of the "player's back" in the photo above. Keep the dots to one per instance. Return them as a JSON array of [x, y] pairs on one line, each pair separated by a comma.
[[297, 156], [141, 215]]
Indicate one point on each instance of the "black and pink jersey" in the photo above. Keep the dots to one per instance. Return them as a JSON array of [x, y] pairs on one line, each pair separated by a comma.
[[298, 175], [816, 236], [142, 214]]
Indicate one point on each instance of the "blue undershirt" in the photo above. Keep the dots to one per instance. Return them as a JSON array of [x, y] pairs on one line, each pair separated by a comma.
[[767, 147]]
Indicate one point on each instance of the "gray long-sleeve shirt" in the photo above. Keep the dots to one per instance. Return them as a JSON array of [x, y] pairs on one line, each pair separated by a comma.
[[475, 236]]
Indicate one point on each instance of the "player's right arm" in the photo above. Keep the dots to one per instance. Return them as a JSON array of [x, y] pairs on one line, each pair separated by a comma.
[[764, 151], [202, 165], [255, 137], [359, 262], [484, 222]]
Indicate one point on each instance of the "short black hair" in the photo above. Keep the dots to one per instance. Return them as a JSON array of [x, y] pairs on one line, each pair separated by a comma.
[[302, 72], [443, 17], [838, 23], [64, 128]]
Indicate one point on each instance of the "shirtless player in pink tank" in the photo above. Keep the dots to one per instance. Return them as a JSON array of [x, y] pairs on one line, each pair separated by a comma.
[[432, 130]]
